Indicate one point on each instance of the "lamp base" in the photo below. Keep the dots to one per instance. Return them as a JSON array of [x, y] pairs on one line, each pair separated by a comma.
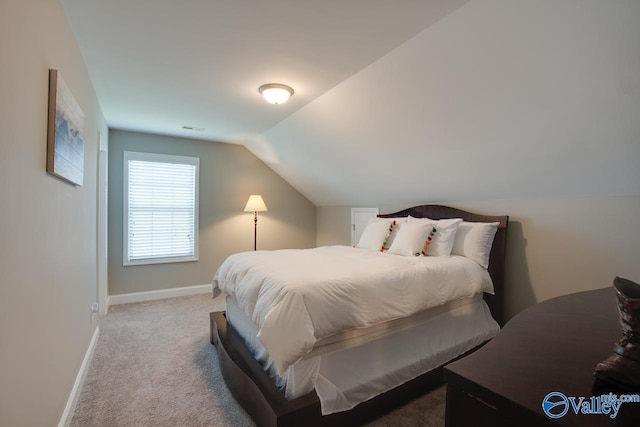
[[255, 231]]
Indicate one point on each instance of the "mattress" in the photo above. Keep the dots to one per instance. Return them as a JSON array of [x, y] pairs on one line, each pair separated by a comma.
[[356, 365]]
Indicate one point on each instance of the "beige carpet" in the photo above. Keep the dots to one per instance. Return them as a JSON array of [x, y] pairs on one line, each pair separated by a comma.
[[154, 366]]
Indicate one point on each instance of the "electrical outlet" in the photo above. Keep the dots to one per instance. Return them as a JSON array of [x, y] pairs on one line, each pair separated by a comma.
[[94, 307]]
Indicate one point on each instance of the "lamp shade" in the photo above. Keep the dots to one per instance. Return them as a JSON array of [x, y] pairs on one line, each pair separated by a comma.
[[275, 93], [255, 204]]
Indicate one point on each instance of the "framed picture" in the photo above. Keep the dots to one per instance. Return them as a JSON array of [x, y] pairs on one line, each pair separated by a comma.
[[65, 136]]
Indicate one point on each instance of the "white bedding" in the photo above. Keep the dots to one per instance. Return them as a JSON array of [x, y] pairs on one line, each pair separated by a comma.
[[297, 297], [367, 362]]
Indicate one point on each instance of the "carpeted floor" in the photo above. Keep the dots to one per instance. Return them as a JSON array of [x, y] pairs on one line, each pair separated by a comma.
[[154, 366]]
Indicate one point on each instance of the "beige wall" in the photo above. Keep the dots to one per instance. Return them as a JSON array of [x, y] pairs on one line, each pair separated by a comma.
[[228, 175], [554, 246], [47, 227]]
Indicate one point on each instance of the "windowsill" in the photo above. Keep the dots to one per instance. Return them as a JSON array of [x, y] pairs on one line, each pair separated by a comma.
[[151, 261]]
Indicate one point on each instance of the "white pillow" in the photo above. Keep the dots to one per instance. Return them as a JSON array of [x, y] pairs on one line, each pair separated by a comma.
[[410, 239], [375, 233], [443, 237], [397, 222], [474, 239]]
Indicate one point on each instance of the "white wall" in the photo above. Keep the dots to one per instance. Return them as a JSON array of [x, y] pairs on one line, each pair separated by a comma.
[[555, 246], [528, 108], [500, 99], [47, 227]]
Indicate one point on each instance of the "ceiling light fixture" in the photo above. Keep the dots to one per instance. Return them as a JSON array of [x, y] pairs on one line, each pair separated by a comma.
[[275, 93]]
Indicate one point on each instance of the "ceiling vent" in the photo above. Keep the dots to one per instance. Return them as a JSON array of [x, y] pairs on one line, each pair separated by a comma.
[[198, 129]]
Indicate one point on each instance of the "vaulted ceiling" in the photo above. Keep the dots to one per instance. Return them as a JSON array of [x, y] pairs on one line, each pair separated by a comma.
[[396, 102], [159, 65]]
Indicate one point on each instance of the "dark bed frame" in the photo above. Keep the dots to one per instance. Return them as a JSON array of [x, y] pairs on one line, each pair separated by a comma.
[[259, 396]]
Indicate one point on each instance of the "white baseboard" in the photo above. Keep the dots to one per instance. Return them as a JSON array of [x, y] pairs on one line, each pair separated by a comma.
[[70, 408], [159, 294]]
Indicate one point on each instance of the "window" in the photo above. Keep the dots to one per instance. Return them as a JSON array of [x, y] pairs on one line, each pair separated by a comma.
[[160, 208]]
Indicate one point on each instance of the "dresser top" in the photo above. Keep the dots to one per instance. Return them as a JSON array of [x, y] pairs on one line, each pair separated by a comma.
[[551, 347]]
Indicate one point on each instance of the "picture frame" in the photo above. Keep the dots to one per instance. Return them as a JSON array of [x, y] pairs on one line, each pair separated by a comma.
[[65, 133]]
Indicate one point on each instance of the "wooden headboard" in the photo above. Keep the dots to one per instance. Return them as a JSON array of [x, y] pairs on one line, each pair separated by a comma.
[[498, 250]]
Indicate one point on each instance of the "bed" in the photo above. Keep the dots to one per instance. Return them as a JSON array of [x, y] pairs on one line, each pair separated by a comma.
[[277, 390]]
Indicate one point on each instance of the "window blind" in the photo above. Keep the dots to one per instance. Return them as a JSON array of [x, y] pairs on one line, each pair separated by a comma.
[[161, 208]]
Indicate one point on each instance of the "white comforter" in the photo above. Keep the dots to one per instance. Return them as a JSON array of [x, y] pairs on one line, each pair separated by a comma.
[[299, 296]]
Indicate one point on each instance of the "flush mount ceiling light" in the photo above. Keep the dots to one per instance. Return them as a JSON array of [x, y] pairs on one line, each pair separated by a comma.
[[275, 93]]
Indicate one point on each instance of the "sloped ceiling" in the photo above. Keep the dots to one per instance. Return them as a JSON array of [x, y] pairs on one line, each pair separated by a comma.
[[501, 99], [157, 65], [396, 102]]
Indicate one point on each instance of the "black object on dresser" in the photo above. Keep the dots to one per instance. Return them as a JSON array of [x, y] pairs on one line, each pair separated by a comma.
[[551, 347]]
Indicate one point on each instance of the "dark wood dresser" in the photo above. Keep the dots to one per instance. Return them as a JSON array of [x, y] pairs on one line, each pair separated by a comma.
[[551, 347]]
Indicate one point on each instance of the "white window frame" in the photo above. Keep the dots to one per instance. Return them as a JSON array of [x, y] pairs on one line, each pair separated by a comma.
[[160, 158]]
